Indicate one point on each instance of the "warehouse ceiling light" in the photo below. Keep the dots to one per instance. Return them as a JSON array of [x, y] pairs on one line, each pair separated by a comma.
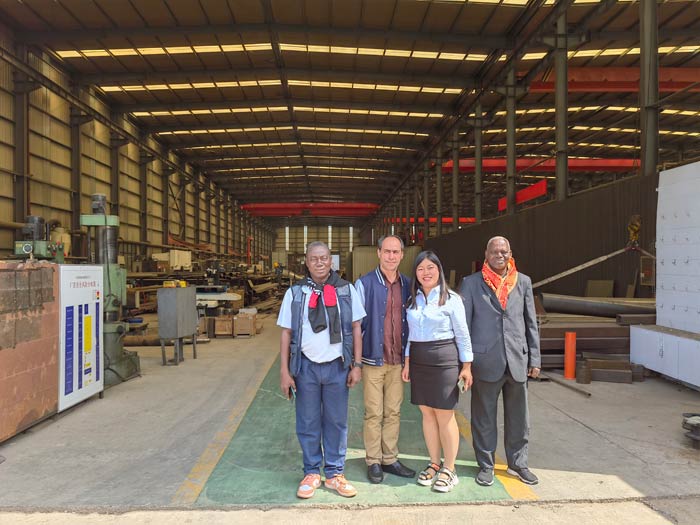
[[361, 146], [272, 168], [190, 85], [384, 113], [214, 131], [218, 111], [369, 131], [249, 145], [270, 109], [299, 176], [276, 82], [323, 129], [168, 50]]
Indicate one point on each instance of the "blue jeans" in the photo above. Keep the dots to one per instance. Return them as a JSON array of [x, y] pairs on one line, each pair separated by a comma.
[[322, 415]]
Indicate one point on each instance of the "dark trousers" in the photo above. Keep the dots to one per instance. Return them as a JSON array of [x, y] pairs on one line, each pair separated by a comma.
[[484, 421]]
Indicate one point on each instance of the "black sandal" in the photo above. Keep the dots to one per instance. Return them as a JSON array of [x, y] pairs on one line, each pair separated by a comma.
[[429, 474], [446, 483]]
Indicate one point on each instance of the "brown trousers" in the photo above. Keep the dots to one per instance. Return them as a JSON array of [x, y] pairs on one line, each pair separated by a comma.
[[383, 395]]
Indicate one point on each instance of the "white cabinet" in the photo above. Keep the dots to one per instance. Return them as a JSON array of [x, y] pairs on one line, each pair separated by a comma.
[[673, 353]]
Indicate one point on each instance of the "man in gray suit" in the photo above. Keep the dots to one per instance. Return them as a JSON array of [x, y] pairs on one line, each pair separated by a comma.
[[500, 310]]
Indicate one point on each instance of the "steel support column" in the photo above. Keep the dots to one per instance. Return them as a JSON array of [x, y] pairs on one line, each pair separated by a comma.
[[426, 201], [649, 85], [227, 231], [235, 233], [183, 207], [455, 180], [197, 194], [167, 171], [217, 219], [22, 87], [438, 189], [208, 189], [416, 206], [407, 196], [510, 141], [145, 159], [77, 119], [561, 108], [115, 145], [478, 162]]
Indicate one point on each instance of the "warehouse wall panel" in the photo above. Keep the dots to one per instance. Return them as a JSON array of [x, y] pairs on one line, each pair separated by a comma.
[[50, 151], [6, 145], [553, 237]]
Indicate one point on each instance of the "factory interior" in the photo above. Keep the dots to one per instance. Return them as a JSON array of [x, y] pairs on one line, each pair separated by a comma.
[[165, 163]]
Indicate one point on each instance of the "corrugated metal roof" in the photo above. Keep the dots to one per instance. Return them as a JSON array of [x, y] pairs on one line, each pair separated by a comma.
[[299, 86]]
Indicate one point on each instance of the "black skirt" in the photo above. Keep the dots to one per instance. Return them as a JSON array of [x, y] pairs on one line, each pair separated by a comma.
[[434, 370]]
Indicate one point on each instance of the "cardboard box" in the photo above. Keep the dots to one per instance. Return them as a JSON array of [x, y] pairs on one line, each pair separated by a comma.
[[244, 324]]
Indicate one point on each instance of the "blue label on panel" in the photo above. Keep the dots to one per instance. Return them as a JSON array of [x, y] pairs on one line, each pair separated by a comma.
[[68, 365], [80, 346], [97, 340], [87, 371]]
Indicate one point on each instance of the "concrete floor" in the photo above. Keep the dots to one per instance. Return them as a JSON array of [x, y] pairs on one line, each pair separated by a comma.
[[144, 452]]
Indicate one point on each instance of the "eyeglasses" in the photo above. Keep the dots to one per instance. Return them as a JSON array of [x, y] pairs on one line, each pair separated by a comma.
[[322, 258]]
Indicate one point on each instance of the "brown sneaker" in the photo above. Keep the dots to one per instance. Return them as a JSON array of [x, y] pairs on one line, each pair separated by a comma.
[[308, 486], [341, 486]]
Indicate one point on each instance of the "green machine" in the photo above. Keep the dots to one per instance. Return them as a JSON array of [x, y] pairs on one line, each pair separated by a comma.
[[120, 365], [36, 243]]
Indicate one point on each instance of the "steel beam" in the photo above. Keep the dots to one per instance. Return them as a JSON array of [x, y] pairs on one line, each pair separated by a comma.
[[477, 41], [634, 36], [649, 86], [369, 157], [321, 144], [561, 109], [273, 102], [228, 74], [255, 128]]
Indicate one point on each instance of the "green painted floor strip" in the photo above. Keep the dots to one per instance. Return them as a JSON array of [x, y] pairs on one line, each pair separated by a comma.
[[262, 463]]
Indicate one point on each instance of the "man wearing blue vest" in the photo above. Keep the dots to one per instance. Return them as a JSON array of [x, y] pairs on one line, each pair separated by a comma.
[[320, 345], [384, 292]]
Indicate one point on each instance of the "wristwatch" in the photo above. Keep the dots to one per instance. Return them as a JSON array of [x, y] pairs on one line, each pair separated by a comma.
[[357, 364]]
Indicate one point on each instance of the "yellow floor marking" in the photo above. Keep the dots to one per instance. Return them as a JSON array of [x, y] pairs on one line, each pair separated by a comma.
[[190, 489], [515, 488]]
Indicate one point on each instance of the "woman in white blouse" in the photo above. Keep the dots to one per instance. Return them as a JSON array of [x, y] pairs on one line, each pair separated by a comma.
[[438, 358]]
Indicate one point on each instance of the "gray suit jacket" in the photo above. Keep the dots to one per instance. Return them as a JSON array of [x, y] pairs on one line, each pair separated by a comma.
[[498, 336]]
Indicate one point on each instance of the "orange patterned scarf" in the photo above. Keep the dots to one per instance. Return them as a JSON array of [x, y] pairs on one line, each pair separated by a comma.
[[502, 286]]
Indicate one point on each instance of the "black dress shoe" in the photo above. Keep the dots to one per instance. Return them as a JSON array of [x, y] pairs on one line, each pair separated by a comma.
[[374, 473], [398, 469]]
